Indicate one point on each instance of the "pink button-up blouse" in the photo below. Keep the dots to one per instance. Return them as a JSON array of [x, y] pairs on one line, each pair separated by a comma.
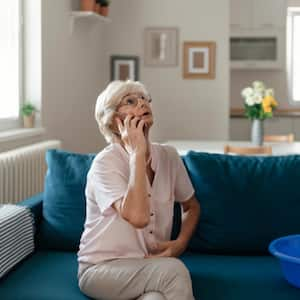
[[106, 234]]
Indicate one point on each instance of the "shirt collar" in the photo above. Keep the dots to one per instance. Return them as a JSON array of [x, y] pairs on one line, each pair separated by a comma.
[[152, 154]]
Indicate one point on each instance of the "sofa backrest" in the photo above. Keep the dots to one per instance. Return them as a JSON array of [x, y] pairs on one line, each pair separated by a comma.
[[64, 200], [64, 203], [246, 201]]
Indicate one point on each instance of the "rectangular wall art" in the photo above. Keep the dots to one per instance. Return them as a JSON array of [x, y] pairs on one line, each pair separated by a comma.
[[161, 46], [199, 60], [124, 67]]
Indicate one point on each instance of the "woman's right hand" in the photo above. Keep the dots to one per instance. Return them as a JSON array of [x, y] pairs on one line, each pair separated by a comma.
[[132, 134]]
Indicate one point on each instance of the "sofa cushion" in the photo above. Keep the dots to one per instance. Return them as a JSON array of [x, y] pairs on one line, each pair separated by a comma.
[[246, 201], [226, 277], [64, 199], [214, 277], [64, 202], [46, 275]]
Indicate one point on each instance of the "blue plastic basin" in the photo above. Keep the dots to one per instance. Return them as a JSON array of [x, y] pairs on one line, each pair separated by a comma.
[[287, 249]]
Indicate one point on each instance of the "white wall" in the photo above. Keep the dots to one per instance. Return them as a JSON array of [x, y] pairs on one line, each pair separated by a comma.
[[183, 109], [75, 68], [72, 76]]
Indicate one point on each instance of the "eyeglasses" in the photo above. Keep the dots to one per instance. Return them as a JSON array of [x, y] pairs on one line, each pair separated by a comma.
[[132, 100]]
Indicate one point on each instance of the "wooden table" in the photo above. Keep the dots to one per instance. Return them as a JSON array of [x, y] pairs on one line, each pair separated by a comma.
[[183, 146]]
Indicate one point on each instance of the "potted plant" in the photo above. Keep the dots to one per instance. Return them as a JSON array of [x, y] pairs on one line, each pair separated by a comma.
[[104, 7], [87, 5], [259, 105], [28, 112], [98, 6]]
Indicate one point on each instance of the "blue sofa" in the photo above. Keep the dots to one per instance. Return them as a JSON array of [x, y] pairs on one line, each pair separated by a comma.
[[246, 202]]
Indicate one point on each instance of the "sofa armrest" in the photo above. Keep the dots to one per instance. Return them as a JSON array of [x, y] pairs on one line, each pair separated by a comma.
[[35, 204], [17, 236]]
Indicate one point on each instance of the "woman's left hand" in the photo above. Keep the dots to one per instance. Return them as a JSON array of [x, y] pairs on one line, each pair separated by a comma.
[[172, 248]]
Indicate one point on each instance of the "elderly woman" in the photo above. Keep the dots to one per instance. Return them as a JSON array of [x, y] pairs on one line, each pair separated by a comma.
[[125, 250]]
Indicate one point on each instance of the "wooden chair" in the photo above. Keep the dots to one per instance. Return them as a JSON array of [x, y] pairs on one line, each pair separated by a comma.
[[289, 138], [248, 150]]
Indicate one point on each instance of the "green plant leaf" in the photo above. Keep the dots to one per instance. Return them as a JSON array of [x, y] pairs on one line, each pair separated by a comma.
[[104, 2], [27, 109]]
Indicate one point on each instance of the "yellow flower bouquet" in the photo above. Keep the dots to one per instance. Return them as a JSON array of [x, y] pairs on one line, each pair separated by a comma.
[[259, 101]]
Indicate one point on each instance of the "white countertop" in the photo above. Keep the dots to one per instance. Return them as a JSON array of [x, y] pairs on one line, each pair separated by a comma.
[[183, 146]]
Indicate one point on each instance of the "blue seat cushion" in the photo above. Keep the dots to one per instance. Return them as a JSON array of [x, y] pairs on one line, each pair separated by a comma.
[[226, 277], [64, 200], [246, 201], [46, 275], [52, 275]]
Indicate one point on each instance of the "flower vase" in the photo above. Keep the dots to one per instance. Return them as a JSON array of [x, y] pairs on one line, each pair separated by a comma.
[[257, 132]]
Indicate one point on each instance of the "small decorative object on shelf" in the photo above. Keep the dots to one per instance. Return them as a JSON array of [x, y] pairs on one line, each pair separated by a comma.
[[259, 105], [28, 112], [87, 5], [98, 7], [104, 9]]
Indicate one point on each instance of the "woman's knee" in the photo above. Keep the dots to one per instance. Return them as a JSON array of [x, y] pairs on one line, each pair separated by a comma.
[[152, 296], [176, 266], [94, 285]]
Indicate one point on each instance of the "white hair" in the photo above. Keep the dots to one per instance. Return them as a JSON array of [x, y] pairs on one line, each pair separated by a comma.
[[109, 99]]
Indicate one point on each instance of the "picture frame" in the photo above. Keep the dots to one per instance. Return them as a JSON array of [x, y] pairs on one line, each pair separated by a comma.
[[199, 60], [161, 46], [124, 67]]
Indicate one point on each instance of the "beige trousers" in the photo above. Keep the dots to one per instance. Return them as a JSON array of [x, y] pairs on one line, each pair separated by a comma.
[[161, 278]]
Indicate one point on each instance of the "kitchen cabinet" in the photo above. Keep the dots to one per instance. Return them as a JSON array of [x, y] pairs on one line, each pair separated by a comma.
[[257, 38], [296, 128], [258, 51], [269, 14], [241, 14], [257, 14], [240, 127], [277, 125]]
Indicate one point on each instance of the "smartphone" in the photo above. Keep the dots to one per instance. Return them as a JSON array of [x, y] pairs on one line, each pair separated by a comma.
[[122, 117]]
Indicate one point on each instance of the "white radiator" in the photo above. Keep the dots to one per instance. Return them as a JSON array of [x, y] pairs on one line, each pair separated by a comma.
[[22, 171]]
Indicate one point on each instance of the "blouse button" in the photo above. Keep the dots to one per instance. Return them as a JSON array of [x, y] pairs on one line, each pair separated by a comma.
[[152, 214], [149, 195], [151, 231]]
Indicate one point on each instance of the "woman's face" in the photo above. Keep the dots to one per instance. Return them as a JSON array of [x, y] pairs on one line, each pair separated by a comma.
[[137, 105]]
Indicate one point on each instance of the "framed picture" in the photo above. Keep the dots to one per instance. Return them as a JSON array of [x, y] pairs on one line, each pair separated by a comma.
[[199, 60], [124, 67], [161, 46]]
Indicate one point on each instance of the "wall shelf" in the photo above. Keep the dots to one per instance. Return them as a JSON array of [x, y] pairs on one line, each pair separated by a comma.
[[89, 14], [77, 14]]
